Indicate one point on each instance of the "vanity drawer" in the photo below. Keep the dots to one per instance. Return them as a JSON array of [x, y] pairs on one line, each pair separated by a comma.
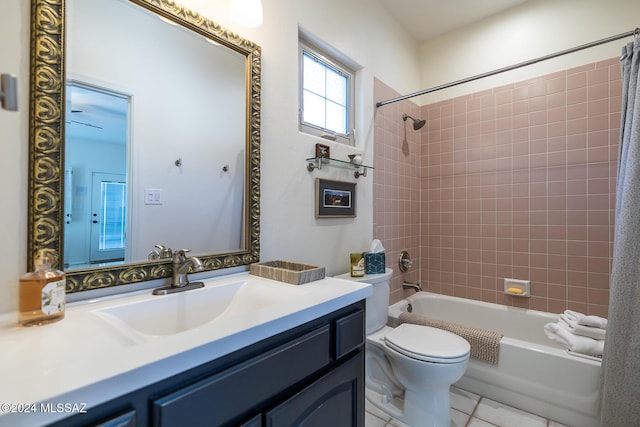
[[350, 333], [225, 396]]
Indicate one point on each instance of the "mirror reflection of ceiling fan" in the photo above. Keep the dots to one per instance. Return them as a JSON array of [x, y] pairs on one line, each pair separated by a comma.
[[81, 122], [95, 114]]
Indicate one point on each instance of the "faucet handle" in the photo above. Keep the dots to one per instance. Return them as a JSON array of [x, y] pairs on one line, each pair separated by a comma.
[[164, 251], [180, 255]]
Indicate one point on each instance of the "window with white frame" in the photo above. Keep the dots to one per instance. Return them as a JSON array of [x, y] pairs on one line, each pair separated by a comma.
[[326, 95]]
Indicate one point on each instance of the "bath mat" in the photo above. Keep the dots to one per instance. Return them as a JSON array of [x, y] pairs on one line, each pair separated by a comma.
[[485, 345]]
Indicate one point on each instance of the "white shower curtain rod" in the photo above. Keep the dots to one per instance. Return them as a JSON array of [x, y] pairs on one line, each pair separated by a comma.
[[634, 32]]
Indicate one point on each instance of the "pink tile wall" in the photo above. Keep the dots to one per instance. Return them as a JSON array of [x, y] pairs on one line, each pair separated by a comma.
[[519, 182], [396, 182]]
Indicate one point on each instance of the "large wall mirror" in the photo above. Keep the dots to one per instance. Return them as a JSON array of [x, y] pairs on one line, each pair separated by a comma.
[[144, 132]]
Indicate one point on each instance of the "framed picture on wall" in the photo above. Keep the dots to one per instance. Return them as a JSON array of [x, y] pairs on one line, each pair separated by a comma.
[[335, 199]]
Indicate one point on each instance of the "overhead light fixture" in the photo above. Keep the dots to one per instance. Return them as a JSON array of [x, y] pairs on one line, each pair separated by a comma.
[[247, 13]]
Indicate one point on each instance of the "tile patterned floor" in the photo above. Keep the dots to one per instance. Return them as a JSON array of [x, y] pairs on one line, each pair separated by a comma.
[[469, 410]]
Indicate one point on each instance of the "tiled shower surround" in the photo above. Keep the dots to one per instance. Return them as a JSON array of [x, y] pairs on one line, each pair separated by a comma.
[[517, 182], [396, 185]]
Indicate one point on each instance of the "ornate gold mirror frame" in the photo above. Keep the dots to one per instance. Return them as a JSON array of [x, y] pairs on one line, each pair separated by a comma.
[[46, 147]]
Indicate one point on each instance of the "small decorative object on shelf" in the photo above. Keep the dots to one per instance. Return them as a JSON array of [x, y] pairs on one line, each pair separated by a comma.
[[355, 161], [323, 151]]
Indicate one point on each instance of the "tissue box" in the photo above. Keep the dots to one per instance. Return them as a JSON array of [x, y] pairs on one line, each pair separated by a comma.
[[374, 263]]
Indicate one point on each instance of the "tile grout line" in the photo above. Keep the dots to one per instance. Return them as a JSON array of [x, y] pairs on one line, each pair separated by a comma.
[[475, 408]]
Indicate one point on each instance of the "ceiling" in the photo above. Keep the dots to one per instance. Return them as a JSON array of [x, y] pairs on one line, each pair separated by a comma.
[[95, 115], [426, 19]]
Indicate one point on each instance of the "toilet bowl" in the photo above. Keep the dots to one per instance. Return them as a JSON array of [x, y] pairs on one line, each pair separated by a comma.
[[410, 368]]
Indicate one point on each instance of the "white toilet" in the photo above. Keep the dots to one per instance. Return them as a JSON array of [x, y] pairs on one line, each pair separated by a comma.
[[409, 369]]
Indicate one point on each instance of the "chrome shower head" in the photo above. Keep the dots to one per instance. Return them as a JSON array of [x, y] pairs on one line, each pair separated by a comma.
[[417, 123]]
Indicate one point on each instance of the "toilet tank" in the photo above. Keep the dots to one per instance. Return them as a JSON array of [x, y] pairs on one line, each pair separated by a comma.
[[377, 304]]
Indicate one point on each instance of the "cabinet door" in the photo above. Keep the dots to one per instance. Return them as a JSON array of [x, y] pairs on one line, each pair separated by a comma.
[[335, 400]]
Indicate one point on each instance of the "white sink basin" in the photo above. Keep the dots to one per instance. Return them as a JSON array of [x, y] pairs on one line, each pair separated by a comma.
[[161, 315]]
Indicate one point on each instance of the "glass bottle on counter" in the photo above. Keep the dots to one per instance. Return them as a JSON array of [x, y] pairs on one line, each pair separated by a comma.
[[42, 295]]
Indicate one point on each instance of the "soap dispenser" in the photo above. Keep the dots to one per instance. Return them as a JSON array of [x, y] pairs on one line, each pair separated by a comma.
[[42, 295]]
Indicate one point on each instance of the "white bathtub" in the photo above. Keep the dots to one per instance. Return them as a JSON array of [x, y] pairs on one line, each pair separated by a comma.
[[533, 373]]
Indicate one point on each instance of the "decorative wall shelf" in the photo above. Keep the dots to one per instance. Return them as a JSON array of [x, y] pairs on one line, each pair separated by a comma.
[[318, 162]]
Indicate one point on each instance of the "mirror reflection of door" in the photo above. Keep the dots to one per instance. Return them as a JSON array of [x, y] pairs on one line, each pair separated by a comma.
[[108, 217], [96, 149]]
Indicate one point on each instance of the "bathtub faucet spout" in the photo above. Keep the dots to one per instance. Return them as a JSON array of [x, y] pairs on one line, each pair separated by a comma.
[[415, 286]]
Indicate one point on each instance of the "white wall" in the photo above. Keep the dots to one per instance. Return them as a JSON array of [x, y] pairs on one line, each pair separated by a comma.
[[14, 134], [360, 29], [532, 30]]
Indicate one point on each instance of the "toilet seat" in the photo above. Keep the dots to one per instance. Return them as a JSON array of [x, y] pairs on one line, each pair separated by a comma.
[[428, 344]]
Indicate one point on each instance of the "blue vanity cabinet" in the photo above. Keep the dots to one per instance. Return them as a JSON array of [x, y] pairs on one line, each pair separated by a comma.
[[310, 375]]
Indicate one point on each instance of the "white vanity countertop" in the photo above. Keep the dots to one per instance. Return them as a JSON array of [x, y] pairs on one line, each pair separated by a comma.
[[81, 360]]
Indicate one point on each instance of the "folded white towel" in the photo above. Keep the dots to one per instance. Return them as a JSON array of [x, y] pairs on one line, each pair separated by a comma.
[[575, 343], [582, 319], [578, 329]]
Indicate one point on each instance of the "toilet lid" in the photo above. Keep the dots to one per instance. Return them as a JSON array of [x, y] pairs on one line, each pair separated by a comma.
[[428, 344]]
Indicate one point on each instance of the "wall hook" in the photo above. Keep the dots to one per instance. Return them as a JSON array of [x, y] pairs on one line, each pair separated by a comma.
[[8, 92], [178, 162]]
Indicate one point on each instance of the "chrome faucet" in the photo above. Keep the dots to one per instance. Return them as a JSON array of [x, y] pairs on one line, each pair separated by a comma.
[[415, 286], [181, 267]]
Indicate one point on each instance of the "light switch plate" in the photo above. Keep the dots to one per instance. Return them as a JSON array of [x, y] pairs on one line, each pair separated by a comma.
[[152, 196]]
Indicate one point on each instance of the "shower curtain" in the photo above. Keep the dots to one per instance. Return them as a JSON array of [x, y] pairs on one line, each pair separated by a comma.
[[621, 363]]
